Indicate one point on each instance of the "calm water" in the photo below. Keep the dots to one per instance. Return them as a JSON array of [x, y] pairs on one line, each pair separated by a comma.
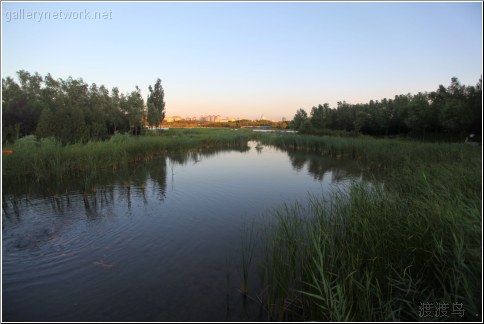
[[160, 242]]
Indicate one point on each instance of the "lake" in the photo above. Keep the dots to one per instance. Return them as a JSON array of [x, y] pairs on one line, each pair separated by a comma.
[[160, 241]]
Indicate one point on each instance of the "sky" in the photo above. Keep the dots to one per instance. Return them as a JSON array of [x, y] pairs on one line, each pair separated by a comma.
[[247, 59]]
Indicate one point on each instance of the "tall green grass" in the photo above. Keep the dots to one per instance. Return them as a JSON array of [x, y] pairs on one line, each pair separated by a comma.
[[380, 252], [47, 161], [375, 154]]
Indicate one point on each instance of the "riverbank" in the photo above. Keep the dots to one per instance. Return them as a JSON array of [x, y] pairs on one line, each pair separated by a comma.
[[48, 161], [409, 250]]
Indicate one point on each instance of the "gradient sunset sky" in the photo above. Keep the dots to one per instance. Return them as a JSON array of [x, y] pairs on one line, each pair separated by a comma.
[[245, 59]]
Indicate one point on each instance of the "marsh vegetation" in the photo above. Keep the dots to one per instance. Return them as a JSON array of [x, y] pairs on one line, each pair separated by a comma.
[[372, 250], [379, 252]]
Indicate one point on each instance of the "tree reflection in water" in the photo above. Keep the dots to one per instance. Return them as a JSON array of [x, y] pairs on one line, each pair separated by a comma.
[[97, 190], [319, 166]]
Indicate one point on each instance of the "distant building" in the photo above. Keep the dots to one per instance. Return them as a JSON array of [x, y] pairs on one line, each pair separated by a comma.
[[212, 118]]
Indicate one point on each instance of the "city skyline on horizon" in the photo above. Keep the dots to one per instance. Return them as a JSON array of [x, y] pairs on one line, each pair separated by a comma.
[[220, 118]]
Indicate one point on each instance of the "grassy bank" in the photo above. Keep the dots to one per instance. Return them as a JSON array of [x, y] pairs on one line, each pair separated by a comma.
[[379, 155], [407, 250], [47, 161]]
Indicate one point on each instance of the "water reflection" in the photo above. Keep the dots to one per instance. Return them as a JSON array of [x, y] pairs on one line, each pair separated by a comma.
[[97, 195], [319, 167], [130, 246], [127, 174], [183, 158], [154, 172], [102, 189]]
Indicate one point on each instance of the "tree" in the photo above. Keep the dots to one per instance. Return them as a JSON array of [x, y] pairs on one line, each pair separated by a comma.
[[20, 118], [456, 115], [10, 92], [344, 116], [21, 105], [360, 120], [383, 116], [132, 106], [306, 127], [475, 106], [400, 105], [156, 104], [419, 118], [321, 116], [117, 120], [299, 118]]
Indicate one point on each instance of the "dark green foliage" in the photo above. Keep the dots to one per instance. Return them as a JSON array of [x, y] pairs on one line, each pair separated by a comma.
[[454, 112], [69, 110], [322, 116], [132, 106], [306, 127], [21, 105], [300, 117], [156, 104]]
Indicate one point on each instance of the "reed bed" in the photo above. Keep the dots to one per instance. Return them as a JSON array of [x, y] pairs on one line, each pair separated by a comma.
[[379, 155], [48, 161], [407, 248]]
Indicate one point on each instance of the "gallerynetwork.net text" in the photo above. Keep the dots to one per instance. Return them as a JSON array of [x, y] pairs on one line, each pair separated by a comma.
[[40, 16]]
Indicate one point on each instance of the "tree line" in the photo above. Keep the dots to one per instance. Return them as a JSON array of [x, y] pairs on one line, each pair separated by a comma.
[[455, 111], [73, 111]]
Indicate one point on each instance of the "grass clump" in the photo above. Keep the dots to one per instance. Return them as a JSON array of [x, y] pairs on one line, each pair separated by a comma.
[[375, 255]]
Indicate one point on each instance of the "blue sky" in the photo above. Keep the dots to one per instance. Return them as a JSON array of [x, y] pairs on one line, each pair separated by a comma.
[[247, 59]]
